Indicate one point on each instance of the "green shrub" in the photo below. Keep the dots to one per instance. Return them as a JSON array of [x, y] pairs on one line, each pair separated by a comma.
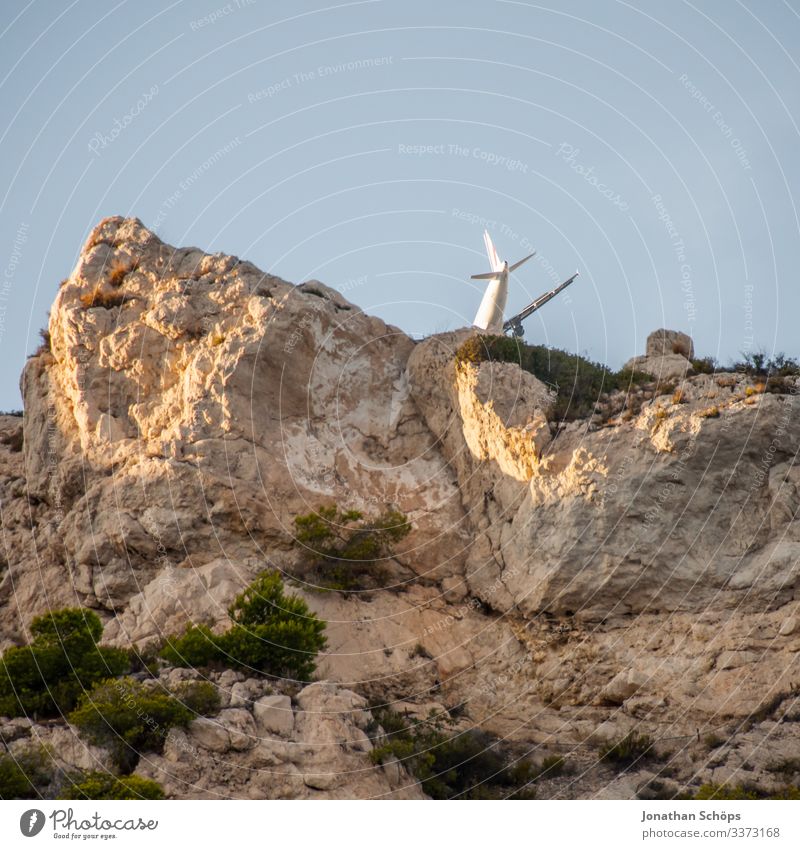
[[128, 718], [759, 363], [24, 774], [47, 677], [524, 772], [552, 766], [342, 548], [705, 365], [631, 748], [103, 785], [197, 646], [577, 381], [729, 792], [200, 697], [713, 741], [272, 633], [468, 765], [145, 659]]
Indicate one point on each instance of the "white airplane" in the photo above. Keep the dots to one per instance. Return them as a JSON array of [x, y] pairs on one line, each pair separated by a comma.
[[492, 308], [491, 311]]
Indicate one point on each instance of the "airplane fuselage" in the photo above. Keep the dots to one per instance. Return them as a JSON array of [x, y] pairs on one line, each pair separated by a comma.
[[493, 306]]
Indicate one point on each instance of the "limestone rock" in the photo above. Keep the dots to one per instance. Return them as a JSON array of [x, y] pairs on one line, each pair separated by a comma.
[[735, 659], [624, 685], [210, 734], [241, 728], [15, 729], [668, 355], [171, 371], [274, 715], [261, 755], [668, 367], [626, 786], [609, 493], [662, 343]]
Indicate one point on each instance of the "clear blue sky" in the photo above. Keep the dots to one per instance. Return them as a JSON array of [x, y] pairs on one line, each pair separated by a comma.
[[654, 147]]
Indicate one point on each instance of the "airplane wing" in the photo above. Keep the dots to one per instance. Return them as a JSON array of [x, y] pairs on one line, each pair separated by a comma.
[[494, 261], [516, 265], [515, 322]]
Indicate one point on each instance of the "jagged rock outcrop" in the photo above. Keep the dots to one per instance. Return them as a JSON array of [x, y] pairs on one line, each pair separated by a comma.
[[562, 585], [192, 405], [586, 524], [668, 355]]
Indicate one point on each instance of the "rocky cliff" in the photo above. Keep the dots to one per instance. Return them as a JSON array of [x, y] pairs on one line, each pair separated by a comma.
[[561, 586]]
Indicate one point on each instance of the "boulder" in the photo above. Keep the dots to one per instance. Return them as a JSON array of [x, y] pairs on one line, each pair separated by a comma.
[[664, 343], [668, 367], [240, 726], [624, 685], [274, 715], [210, 734], [667, 356]]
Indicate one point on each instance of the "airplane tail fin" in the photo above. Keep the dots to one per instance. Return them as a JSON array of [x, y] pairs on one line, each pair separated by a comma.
[[490, 275], [516, 265], [494, 260]]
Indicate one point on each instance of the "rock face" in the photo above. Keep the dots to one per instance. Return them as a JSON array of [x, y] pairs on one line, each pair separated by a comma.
[[562, 585], [585, 524], [192, 405], [668, 355]]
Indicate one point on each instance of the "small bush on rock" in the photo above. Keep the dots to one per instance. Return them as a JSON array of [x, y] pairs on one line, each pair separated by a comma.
[[729, 792], [342, 548], [200, 697], [468, 765], [46, 677], [197, 646], [128, 718], [25, 774], [629, 749], [100, 297], [758, 363], [46, 343], [552, 766], [104, 785], [705, 365], [272, 633]]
